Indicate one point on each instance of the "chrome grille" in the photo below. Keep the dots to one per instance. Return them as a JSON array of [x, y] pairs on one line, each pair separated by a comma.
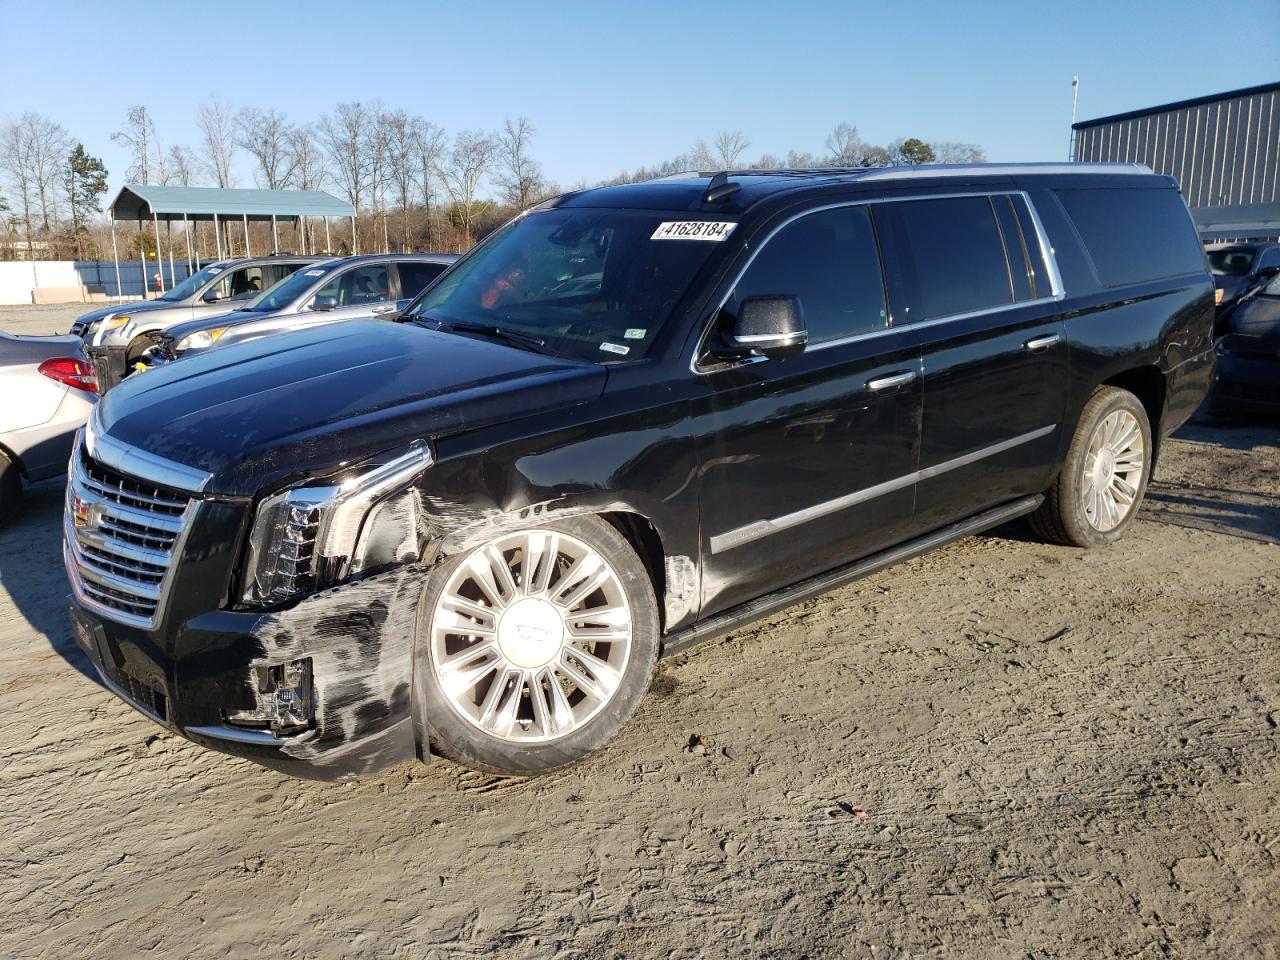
[[122, 535]]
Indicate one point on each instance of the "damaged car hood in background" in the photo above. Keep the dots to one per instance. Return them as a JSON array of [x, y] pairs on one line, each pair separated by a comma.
[[256, 413]]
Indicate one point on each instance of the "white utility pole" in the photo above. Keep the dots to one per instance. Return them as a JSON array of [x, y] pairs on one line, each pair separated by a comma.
[[1075, 99]]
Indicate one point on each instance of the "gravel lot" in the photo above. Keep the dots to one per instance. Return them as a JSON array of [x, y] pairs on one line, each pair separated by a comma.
[[1001, 749]]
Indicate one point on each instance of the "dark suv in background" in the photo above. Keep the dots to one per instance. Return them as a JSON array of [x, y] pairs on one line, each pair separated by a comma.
[[629, 420], [1238, 268]]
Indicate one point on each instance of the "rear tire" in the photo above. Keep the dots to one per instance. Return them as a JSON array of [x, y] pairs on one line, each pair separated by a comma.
[[10, 487], [534, 648], [1100, 487]]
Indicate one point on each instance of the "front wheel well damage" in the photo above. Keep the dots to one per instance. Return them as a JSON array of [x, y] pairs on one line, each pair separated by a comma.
[[644, 539]]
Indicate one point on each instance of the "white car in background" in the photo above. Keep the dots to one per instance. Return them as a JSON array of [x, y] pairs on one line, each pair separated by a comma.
[[47, 391]]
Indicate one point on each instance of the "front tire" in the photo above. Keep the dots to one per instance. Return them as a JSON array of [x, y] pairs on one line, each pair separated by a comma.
[[534, 648], [10, 487], [1103, 479]]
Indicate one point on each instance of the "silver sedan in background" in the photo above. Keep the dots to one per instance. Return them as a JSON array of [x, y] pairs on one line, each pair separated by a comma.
[[217, 288], [47, 390]]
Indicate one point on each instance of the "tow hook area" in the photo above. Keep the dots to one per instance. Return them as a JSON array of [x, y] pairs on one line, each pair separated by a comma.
[[286, 699]]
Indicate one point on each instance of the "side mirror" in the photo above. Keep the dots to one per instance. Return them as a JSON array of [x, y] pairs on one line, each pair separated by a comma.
[[772, 326], [211, 296], [1266, 273], [324, 303]]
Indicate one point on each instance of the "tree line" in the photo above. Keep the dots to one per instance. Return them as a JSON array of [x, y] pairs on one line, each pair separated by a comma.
[[414, 185]]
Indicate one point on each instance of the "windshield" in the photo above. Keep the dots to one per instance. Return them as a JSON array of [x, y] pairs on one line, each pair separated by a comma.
[[591, 284], [1230, 263], [193, 283], [288, 290]]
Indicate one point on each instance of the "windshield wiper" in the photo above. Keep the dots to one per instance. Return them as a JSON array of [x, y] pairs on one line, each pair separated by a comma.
[[528, 341]]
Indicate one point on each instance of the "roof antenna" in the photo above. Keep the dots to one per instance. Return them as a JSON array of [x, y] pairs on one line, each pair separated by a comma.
[[720, 189]]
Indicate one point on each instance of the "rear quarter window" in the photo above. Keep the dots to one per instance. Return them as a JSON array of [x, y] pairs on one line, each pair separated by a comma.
[[1134, 235]]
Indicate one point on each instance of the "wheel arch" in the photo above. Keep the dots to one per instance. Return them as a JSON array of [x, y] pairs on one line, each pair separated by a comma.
[[1150, 385]]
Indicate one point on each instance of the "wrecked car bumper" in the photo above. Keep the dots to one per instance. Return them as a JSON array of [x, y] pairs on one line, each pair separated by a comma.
[[1247, 381], [209, 683]]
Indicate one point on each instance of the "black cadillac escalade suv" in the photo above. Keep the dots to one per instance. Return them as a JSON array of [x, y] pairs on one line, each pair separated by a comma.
[[630, 419]]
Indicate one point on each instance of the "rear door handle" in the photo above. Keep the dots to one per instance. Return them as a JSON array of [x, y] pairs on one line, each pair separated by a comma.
[[1042, 343], [893, 380]]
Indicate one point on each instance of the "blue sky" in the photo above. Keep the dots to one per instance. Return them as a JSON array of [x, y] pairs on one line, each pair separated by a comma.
[[611, 86]]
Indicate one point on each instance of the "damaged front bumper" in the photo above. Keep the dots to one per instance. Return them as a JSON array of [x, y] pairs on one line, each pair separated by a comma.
[[219, 678]]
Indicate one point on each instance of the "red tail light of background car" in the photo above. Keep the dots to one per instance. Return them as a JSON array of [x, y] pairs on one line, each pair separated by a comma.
[[71, 371]]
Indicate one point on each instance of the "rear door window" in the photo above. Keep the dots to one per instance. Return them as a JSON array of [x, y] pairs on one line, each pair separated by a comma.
[[241, 284], [1134, 235], [829, 260], [415, 275], [367, 284], [947, 257]]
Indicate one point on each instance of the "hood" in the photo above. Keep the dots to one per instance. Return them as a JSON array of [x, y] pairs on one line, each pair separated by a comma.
[[257, 413], [236, 317], [117, 308], [1231, 287], [1257, 316]]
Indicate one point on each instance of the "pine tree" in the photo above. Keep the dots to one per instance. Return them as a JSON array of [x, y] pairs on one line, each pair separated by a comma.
[[86, 182]]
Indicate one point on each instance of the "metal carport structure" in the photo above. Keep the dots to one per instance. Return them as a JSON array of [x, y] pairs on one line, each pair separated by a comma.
[[219, 205]]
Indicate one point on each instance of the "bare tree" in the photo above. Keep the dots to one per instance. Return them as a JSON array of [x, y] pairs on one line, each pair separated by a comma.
[[48, 148], [728, 147], [700, 157], [462, 172], [15, 159], [345, 136], [845, 146], [377, 147], [768, 161], [182, 165], [402, 161], [264, 135], [137, 136], [948, 152], [217, 128], [429, 143], [520, 176], [800, 160], [306, 159]]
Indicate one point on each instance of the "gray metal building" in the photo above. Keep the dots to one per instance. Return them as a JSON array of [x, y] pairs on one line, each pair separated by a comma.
[[1224, 151]]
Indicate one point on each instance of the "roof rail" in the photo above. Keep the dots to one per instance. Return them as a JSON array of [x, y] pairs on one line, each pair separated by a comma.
[[977, 169]]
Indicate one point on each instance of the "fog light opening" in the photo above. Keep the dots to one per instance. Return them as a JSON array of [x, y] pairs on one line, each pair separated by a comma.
[[286, 699]]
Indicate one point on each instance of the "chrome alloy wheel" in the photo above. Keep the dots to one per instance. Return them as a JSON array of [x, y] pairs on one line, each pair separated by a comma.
[[531, 636], [1112, 470]]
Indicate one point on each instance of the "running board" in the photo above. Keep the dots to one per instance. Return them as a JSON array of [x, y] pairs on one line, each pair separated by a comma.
[[753, 610]]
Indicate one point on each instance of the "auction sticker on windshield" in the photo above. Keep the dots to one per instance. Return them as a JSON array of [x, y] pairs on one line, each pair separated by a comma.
[[693, 230]]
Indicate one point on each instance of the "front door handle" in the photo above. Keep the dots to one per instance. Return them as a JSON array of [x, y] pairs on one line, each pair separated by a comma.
[[893, 380], [1042, 343]]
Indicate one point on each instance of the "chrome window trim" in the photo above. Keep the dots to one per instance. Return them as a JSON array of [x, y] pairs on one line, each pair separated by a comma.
[[1042, 238], [139, 463], [738, 536]]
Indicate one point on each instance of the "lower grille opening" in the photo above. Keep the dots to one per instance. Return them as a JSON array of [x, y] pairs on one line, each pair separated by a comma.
[[148, 699]]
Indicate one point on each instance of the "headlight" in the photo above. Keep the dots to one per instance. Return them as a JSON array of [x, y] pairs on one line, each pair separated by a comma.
[[112, 321], [200, 340], [308, 537]]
